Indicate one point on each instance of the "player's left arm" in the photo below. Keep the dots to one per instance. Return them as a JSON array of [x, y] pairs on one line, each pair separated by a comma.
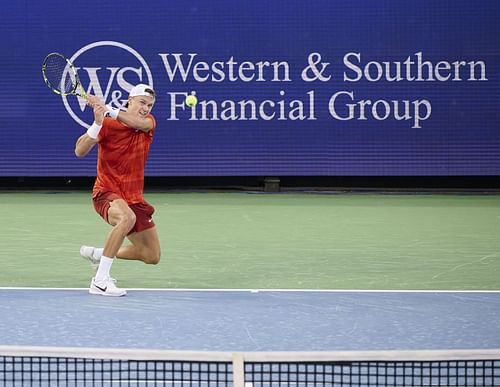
[[143, 124], [88, 140]]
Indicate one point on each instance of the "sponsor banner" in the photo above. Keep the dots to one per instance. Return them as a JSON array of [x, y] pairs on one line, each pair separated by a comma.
[[321, 88]]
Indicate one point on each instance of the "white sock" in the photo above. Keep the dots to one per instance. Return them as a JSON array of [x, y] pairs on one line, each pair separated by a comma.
[[104, 268]]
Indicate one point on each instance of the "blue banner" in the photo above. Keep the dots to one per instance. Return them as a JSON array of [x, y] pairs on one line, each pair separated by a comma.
[[363, 88]]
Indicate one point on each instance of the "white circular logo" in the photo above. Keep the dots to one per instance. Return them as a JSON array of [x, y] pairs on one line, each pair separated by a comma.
[[107, 75]]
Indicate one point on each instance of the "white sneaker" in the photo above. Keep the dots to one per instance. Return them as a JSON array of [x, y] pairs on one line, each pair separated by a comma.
[[92, 254], [106, 287]]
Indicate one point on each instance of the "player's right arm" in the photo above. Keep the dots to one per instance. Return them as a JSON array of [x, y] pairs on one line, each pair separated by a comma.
[[87, 141]]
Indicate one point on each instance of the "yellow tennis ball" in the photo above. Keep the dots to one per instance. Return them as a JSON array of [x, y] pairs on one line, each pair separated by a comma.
[[191, 100]]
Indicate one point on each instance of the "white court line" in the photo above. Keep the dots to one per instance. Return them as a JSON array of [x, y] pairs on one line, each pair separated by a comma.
[[269, 290]]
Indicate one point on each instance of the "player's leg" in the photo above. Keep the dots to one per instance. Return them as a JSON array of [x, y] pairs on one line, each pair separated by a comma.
[[145, 247], [134, 220], [122, 218]]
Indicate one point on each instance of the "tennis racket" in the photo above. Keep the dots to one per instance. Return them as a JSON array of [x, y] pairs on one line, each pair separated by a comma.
[[60, 76]]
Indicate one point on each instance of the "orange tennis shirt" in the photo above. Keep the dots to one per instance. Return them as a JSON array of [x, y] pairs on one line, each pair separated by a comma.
[[122, 155]]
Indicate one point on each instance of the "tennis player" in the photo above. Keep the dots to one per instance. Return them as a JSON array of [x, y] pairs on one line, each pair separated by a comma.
[[123, 139]]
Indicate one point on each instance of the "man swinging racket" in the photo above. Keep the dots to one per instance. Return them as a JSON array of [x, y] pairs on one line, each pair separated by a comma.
[[123, 139]]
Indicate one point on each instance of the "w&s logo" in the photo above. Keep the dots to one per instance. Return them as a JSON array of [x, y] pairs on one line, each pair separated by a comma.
[[108, 70]]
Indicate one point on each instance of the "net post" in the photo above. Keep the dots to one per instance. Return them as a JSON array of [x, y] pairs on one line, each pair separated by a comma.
[[238, 370]]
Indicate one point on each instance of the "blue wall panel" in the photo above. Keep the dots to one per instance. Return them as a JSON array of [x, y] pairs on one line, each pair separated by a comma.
[[437, 62]]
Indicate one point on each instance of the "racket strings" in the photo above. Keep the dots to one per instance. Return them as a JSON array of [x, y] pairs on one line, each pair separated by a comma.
[[59, 75]]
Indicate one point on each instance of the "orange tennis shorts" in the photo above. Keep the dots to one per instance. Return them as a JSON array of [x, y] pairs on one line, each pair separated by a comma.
[[143, 211]]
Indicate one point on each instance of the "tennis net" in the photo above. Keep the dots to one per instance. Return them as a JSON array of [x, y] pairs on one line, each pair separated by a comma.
[[45, 366]]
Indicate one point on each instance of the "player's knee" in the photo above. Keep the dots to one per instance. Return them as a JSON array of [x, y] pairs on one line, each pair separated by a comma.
[[128, 220], [152, 257]]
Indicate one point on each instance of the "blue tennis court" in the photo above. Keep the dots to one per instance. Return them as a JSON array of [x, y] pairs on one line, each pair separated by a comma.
[[252, 321], [250, 338]]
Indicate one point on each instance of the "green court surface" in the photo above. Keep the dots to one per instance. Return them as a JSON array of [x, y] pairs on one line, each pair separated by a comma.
[[245, 240]]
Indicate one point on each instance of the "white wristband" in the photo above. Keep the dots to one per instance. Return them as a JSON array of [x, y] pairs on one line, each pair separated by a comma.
[[93, 131], [112, 112]]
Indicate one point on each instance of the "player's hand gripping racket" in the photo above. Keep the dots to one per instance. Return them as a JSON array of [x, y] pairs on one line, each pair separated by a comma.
[[61, 77]]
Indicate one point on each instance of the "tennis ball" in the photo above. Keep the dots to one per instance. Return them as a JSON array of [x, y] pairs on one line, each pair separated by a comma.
[[191, 100]]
